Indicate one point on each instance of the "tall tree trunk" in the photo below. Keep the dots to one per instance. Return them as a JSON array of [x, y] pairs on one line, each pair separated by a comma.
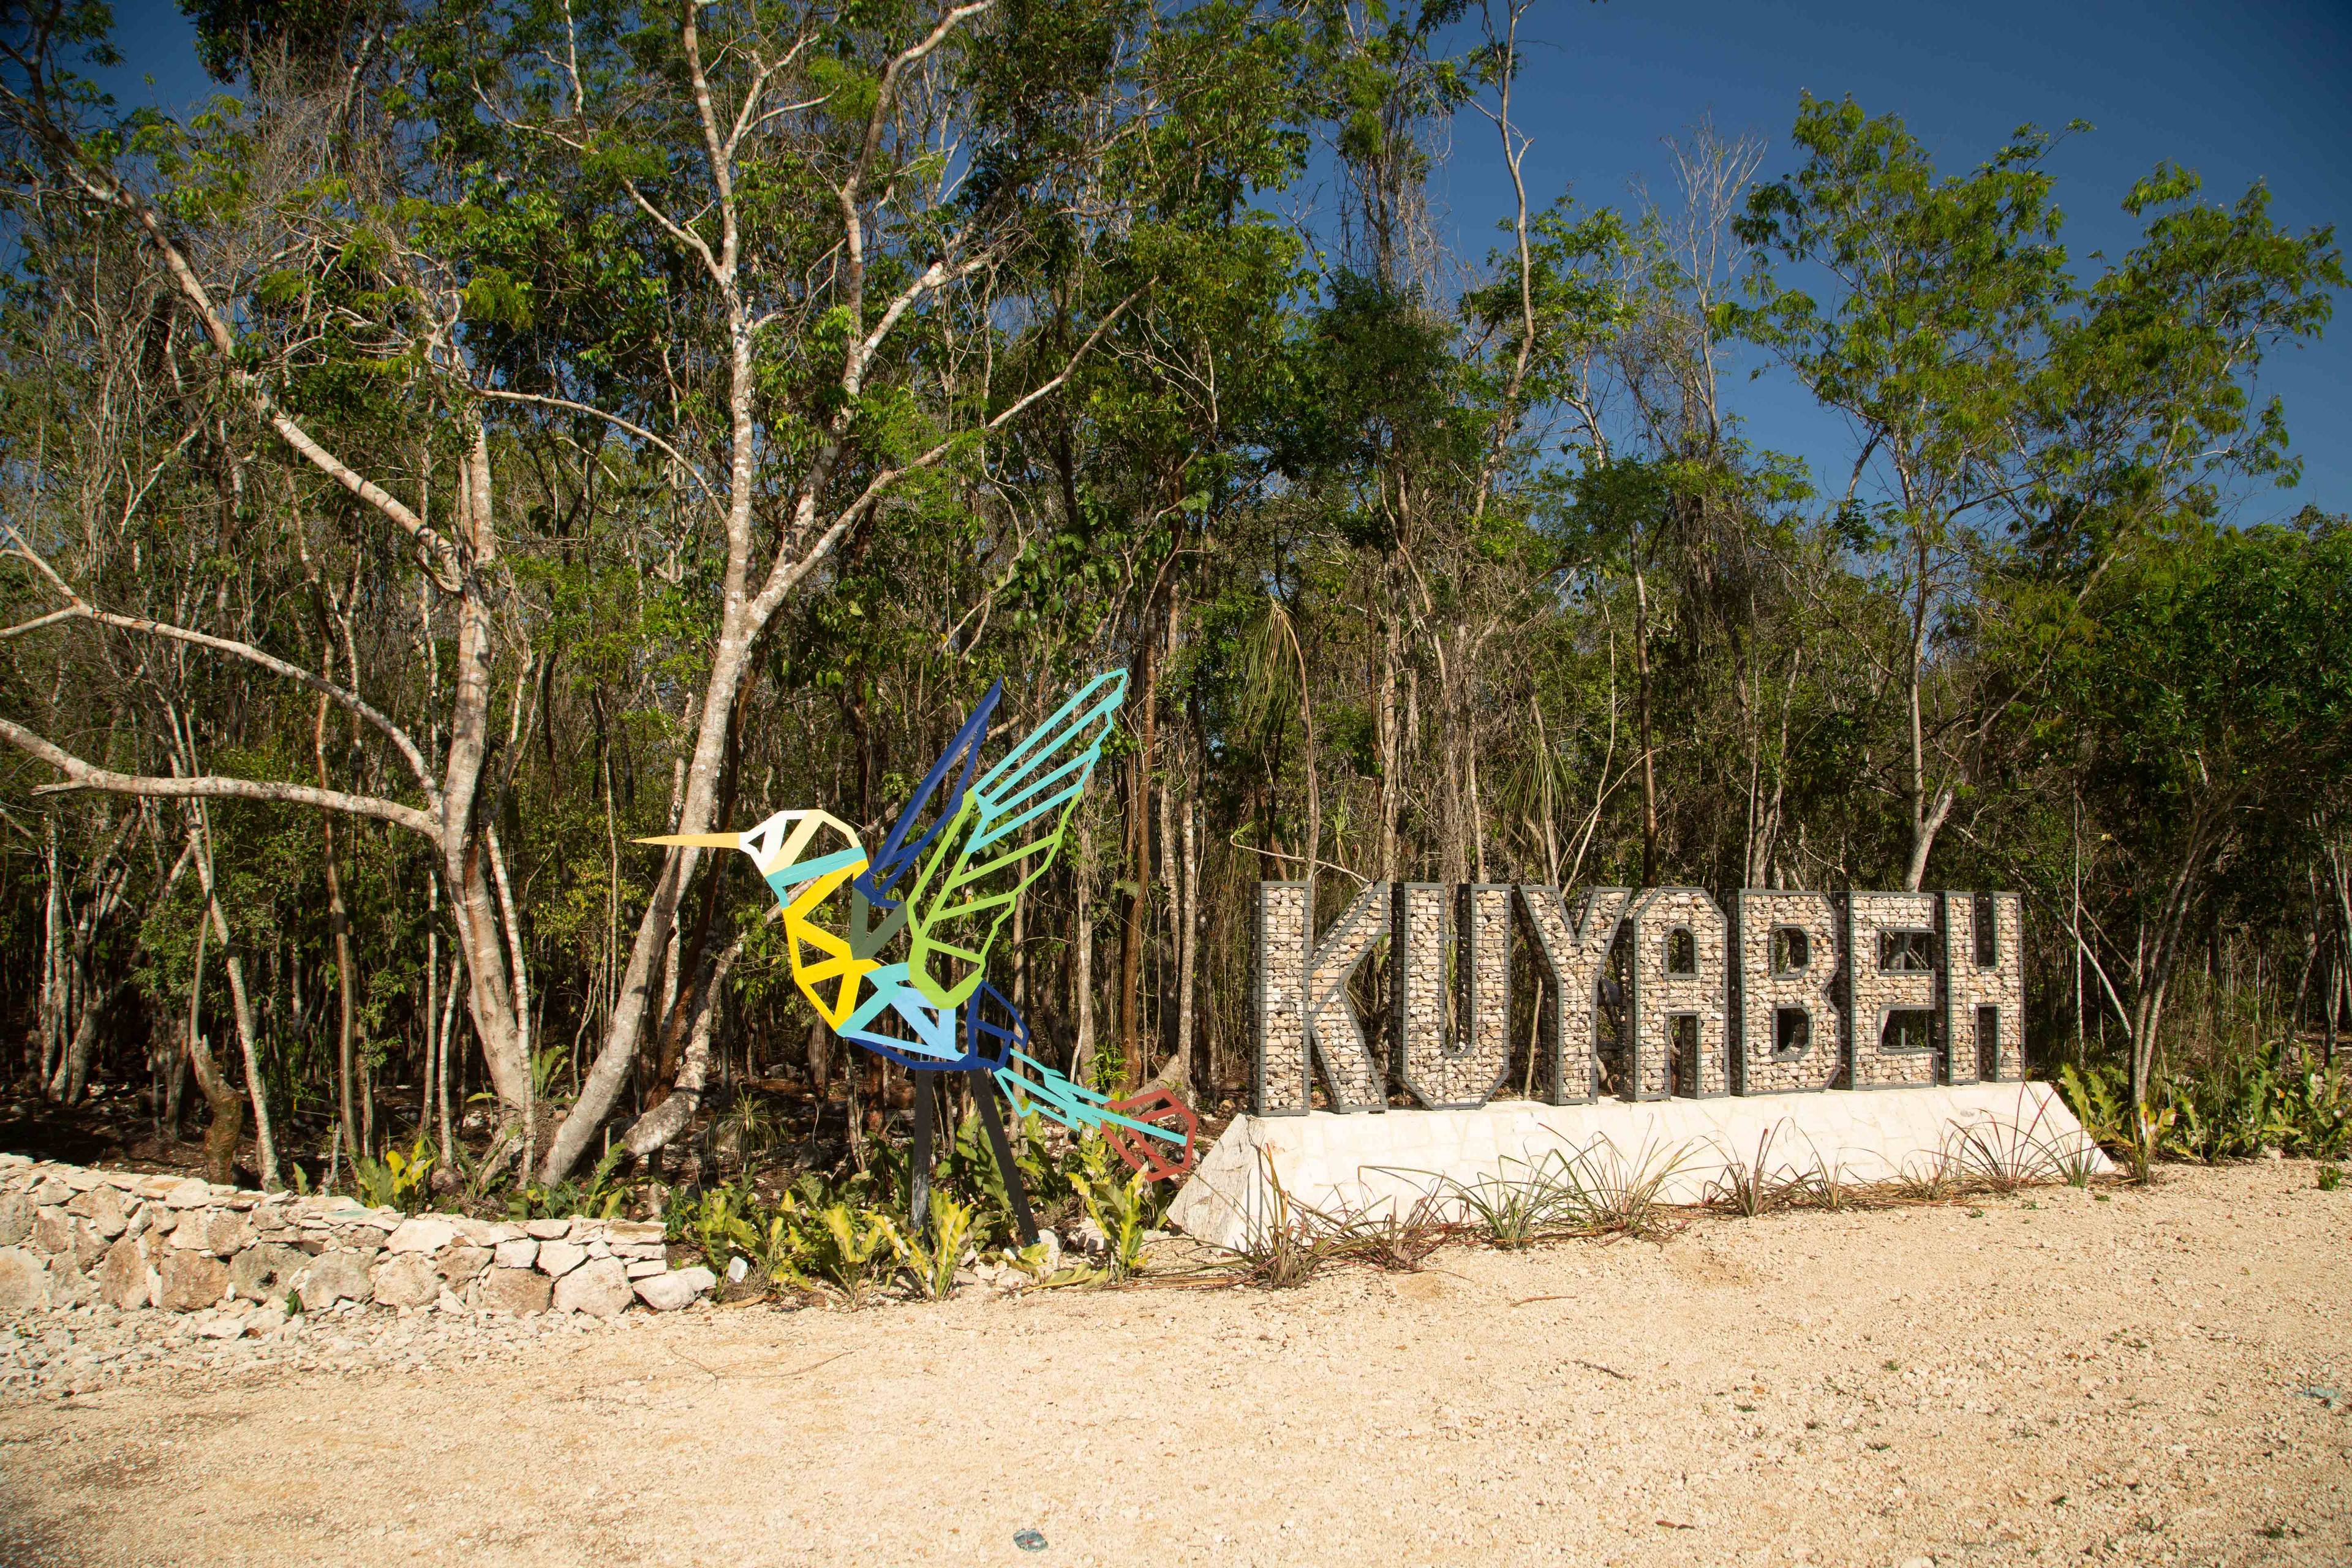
[[249, 1039], [1082, 950], [1139, 870], [225, 1108], [339, 923], [1642, 722], [1392, 740], [53, 998]]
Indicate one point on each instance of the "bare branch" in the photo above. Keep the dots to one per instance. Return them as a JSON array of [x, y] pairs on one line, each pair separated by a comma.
[[82, 775]]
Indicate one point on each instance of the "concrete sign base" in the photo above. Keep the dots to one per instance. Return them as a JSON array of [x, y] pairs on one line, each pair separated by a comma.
[[1368, 1162]]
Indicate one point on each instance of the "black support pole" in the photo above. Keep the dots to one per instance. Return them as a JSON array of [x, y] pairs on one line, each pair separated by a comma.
[[918, 1165], [984, 1092]]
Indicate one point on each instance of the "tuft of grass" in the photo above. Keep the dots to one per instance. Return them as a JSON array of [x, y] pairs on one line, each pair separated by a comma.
[[1288, 1247], [1514, 1212], [1750, 1186], [2328, 1178], [1390, 1241], [1612, 1195]]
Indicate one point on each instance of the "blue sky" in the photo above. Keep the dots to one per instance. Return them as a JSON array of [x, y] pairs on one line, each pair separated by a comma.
[[2256, 90], [2241, 93]]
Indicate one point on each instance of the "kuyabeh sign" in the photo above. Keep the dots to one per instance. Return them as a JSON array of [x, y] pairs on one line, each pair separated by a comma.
[[1640, 995], [1673, 1041]]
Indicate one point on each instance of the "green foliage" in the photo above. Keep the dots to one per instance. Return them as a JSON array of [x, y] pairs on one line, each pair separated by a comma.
[[935, 1253], [596, 1195], [1126, 1211], [842, 1249], [2328, 1178], [2099, 1095], [398, 1181]]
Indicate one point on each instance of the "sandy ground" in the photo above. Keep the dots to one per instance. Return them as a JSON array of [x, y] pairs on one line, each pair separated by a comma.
[[2052, 1379]]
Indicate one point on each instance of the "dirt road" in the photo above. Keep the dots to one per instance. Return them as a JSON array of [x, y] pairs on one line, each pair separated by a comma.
[[2159, 1377]]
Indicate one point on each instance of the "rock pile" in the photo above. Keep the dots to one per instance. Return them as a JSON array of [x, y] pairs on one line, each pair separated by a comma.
[[70, 1235]]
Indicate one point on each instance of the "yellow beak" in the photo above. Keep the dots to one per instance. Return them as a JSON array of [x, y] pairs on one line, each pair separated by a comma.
[[697, 840]]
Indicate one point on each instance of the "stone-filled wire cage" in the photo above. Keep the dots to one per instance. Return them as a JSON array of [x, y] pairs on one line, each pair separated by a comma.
[[1420, 994]]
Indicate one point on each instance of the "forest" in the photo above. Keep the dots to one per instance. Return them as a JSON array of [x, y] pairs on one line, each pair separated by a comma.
[[493, 431]]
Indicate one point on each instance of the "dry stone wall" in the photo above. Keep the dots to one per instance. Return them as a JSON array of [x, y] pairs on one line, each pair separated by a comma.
[[70, 1234]]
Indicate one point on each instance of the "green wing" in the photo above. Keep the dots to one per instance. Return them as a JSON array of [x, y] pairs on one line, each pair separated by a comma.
[[1004, 835]]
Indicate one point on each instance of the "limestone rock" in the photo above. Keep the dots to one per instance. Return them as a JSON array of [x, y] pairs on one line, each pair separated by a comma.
[[520, 1292], [220, 1232], [621, 1231], [557, 1258], [460, 1264], [68, 1286], [123, 1277], [265, 1273], [407, 1281], [189, 1193], [422, 1234], [192, 1281], [52, 1231], [520, 1253], [16, 1218], [646, 1267], [679, 1288], [600, 1289], [24, 1281], [333, 1277], [49, 1192], [110, 1215], [548, 1229], [89, 1246]]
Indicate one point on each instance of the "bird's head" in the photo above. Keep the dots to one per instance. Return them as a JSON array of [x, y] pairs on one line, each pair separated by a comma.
[[781, 844]]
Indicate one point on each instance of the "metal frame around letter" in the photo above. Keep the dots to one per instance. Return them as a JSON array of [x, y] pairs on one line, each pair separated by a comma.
[[1634, 993], [1552, 985]]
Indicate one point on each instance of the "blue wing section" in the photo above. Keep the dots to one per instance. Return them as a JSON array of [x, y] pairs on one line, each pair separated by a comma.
[[892, 862]]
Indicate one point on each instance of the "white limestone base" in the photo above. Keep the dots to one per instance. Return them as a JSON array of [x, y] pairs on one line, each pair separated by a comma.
[[1368, 1162]]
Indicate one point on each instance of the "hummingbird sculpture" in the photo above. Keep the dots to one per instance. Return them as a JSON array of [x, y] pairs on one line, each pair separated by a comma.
[[846, 913]]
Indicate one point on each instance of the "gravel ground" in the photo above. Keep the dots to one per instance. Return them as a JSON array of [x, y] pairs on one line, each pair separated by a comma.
[[2159, 1377]]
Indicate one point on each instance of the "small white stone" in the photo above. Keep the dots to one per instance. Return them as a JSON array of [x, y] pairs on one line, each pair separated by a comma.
[[519, 1253], [668, 1292]]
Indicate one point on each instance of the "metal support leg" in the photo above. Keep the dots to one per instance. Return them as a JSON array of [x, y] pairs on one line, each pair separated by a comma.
[[918, 1165], [983, 1089]]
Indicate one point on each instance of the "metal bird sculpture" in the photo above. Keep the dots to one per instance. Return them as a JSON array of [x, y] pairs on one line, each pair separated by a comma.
[[945, 890]]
